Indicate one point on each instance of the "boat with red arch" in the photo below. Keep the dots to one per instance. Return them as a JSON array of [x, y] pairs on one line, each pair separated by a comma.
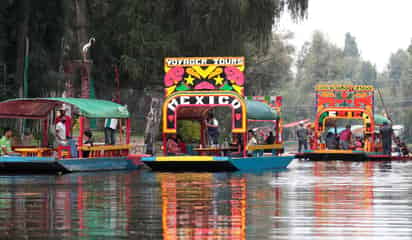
[[46, 158], [194, 87], [337, 106]]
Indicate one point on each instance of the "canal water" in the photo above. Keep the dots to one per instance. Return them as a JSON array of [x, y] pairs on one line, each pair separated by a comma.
[[311, 200]]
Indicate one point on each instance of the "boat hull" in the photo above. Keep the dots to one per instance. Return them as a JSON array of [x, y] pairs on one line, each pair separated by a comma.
[[216, 164], [49, 165], [344, 155]]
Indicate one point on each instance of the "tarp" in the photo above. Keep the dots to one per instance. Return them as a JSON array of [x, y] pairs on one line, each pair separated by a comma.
[[260, 111], [294, 124], [41, 107], [380, 119]]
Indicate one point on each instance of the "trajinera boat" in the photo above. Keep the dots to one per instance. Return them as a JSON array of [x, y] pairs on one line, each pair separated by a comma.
[[46, 158], [343, 106], [194, 87]]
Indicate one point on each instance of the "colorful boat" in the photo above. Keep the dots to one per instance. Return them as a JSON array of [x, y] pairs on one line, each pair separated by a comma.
[[63, 159], [345, 102], [193, 87]]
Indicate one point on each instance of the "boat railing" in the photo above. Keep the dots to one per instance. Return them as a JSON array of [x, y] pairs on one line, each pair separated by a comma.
[[107, 150], [260, 149]]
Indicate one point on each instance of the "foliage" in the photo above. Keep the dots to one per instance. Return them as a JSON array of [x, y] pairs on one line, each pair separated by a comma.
[[189, 131]]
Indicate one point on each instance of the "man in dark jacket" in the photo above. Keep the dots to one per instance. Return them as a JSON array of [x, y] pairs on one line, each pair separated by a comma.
[[386, 133], [302, 134]]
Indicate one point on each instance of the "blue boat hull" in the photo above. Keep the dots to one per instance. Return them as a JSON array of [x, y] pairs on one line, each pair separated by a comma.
[[217, 164], [47, 165], [261, 163]]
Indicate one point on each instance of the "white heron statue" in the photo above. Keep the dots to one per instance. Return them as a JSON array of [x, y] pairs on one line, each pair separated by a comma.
[[86, 47]]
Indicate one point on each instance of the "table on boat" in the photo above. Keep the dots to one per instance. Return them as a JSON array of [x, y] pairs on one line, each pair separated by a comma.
[[214, 150], [37, 152]]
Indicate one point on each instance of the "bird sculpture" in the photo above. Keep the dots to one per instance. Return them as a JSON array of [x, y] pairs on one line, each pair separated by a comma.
[[86, 47]]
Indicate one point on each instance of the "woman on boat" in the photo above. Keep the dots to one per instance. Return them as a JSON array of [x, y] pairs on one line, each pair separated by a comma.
[[61, 137], [251, 141], [358, 144], [212, 130], [181, 144], [172, 146], [88, 142], [330, 141], [345, 137], [270, 139]]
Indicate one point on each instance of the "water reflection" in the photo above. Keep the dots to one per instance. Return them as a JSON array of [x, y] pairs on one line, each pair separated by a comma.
[[312, 200]]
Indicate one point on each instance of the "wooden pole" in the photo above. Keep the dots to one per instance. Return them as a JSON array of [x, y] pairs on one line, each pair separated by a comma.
[[128, 131], [80, 138], [45, 132]]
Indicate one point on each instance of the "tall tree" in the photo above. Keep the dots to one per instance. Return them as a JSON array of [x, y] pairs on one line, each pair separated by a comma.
[[351, 47], [23, 15]]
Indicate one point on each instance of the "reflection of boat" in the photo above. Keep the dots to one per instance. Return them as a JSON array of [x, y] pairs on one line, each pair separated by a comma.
[[68, 158], [193, 87], [192, 206], [336, 103], [346, 202]]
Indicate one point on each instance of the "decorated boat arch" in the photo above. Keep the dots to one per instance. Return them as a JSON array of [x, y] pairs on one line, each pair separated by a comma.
[[344, 102], [194, 86]]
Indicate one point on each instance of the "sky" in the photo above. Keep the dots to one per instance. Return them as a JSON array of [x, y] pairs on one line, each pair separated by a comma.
[[380, 27]]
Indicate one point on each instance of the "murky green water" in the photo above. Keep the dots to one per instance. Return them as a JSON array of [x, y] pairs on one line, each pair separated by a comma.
[[312, 200]]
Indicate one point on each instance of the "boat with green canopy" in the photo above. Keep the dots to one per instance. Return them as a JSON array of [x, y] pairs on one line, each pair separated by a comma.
[[194, 89], [74, 156]]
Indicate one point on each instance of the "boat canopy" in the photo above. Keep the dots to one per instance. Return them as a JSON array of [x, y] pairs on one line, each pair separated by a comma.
[[380, 119], [40, 107], [257, 110]]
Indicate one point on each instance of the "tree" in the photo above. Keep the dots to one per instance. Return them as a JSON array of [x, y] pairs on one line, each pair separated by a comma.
[[351, 47]]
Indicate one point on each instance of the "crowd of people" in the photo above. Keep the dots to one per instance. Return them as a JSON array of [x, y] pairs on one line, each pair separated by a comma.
[[345, 140], [175, 144]]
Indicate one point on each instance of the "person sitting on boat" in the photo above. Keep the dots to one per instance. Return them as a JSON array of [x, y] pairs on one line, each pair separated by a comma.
[[330, 141], [378, 143], [251, 141], [397, 142], [61, 136], [88, 142], [67, 121], [172, 147], [5, 143], [345, 137], [212, 130], [181, 144], [404, 149], [270, 139], [358, 144]]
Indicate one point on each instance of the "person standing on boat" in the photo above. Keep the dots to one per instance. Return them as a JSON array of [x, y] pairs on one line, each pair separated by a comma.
[[61, 135], [67, 121], [345, 138], [110, 125], [302, 134], [386, 132], [212, 130]]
